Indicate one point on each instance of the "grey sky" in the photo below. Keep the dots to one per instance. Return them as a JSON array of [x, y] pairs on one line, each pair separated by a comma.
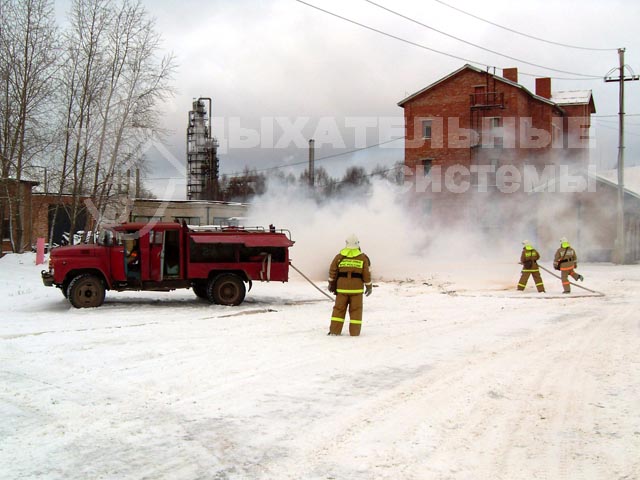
[[260, 60]]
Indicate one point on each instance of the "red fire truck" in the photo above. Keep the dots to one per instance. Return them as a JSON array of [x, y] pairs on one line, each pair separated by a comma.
[[215, 262]]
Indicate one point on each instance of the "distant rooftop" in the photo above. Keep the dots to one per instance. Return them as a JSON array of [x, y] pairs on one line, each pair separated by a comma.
[[573, 97], [631, 178]]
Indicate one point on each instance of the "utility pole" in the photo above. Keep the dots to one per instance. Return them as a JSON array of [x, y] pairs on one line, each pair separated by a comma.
[[312, 172], [620, 251]]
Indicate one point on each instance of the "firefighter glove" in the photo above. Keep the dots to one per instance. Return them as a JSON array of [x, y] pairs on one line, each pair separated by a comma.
[[369, 289], [332, 286]]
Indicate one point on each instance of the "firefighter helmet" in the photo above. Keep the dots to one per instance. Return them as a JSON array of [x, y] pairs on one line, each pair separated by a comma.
[[352, 241]]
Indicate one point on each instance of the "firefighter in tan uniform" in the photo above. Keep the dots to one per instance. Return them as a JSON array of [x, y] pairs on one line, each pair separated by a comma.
[[349, 278], [529, 260], [566, 261]]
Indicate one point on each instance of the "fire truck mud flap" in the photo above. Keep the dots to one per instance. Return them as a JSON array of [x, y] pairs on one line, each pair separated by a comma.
[[47, 278]]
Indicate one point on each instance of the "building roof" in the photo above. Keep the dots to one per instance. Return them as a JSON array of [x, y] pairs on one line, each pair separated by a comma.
[[28, 182], [631, 179], [478, 70], [577, 97], [574, 97], [606, 177]]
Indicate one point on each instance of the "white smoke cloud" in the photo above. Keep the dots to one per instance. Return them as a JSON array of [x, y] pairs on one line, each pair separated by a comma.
[[475, 245], [400, 243]]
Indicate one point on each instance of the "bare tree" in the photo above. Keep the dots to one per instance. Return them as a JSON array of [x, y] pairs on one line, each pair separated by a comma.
[[114, 80], [28, 54], [354, 177], [137, 81]]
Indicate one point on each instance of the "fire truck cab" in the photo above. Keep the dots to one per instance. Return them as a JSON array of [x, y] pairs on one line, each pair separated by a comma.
[[216, 262]]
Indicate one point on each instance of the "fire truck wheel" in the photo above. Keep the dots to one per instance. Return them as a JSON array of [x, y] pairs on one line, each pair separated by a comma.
[[86, 291], [226, 289]]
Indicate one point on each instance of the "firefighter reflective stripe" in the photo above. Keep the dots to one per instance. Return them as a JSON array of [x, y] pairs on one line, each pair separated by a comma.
[[536, 270], [337, 319], [538, 284], [566, 268], [355, 322], [348, 292], [348, 263], [529, 253], [521, 285]]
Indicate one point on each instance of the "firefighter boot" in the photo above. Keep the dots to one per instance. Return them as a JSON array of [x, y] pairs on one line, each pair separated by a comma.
[[354, 327]]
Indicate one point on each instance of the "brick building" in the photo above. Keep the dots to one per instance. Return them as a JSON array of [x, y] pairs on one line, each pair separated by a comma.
[[484, 151], [474, 117], [16, 195], [49, 206]]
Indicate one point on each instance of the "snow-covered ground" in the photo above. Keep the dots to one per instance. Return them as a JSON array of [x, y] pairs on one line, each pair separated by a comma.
[[449, 380]]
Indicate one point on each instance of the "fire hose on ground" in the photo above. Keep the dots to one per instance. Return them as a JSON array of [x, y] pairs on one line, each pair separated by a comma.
[[599, 294], [311, 282]]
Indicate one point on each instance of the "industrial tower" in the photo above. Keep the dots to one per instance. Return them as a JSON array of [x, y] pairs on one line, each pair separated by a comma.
[[202, 158]]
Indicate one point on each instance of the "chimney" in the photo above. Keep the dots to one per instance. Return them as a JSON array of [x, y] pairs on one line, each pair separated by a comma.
[[510, 74], [543, 87]]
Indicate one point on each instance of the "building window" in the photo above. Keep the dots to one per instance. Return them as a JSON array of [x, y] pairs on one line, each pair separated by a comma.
[[479, 95], [144, 218], [426, 128], [188, 220], [426, 164], [556, 134], [494, 123]]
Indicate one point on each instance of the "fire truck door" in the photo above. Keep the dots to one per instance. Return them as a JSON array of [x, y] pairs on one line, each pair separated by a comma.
[[171, 265], [117, 259], [132, 256], [156, 255]]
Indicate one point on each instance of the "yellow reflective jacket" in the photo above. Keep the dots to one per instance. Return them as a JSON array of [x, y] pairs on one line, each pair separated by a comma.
[[351, 269], [565, 258], [529, 258]]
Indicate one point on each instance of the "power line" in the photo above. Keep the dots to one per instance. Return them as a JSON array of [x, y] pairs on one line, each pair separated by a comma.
[[419, 45], [476, 45], [616, 115], [600, 120], [305, 162], [373, 174], [392, 36], [327, 157], [611, 127], [524, 34]]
